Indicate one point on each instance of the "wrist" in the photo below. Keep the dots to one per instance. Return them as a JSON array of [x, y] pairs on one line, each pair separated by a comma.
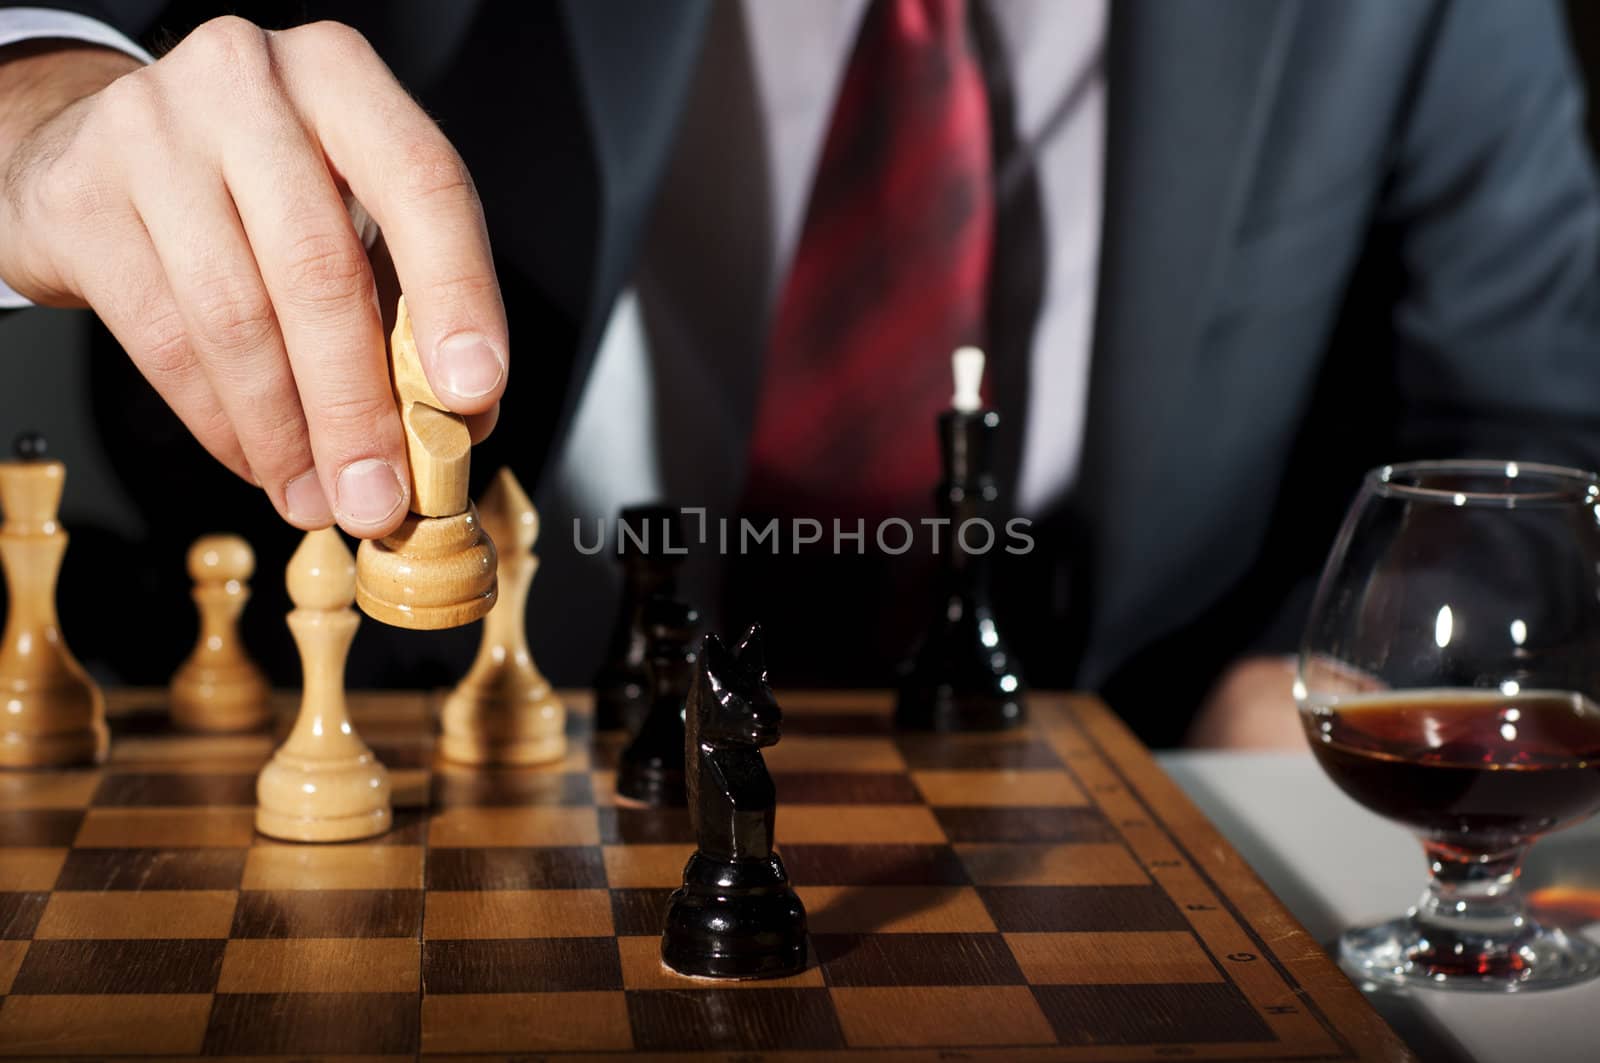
[[40, 79]]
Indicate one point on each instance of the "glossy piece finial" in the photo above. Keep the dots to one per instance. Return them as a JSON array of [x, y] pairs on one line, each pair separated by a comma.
[[962, 677], [29, 446]]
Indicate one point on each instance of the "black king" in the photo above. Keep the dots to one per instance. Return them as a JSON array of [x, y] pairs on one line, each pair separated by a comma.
[[735, 915], [962, 677]]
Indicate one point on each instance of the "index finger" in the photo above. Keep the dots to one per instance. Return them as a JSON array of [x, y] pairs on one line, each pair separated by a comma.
[[413, 182]]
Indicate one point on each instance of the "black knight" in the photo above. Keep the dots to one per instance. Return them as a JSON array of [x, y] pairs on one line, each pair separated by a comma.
[[735, 915]]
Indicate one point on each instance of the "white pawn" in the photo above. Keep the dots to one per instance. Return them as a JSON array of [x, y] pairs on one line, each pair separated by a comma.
[[503, 711], [218, 688], [323, 784]]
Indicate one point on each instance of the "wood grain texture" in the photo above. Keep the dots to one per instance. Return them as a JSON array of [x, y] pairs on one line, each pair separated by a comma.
[[320, 965], [438, 445], [138, 1024], [518, 910], [438, 569]]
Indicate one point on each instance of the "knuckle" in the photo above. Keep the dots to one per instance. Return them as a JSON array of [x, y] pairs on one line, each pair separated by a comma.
[[229, 44], [232, 316], [433, 171], [276, 449], [164, 350], [326, 270], [133, 101], [469, 290], [210, 425], [358, 418], [335, 40], [270, 424]]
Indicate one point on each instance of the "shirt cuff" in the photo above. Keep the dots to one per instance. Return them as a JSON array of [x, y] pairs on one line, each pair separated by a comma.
[[19, 24]]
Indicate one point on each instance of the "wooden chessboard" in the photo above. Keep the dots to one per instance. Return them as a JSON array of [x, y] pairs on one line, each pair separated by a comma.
[[1042, 894]]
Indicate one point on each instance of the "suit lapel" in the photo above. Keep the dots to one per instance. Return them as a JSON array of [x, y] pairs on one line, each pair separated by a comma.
[[634, 64], [1190, 86]]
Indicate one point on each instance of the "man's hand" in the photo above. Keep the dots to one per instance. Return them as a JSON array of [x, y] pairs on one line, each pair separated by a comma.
[[198, 206], [1250, 707]]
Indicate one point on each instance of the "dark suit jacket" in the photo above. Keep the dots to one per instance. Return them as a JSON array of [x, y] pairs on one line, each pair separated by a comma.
[[1335, 235]]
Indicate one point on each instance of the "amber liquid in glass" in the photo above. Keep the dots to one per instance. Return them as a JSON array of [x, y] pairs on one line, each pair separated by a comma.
[[1460, 764]]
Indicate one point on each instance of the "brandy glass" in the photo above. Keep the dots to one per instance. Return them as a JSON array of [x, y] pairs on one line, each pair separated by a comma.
[[1449, 680]]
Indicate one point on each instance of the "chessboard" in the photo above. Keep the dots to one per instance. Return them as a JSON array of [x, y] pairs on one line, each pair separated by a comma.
[[1045, 893]]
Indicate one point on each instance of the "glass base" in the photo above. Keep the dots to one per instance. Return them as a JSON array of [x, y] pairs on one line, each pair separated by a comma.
[[1400, 953]]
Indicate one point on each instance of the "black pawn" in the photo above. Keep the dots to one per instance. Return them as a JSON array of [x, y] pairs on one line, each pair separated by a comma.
[[962, 677], [650, 770], [29, 446], [622, 685], [735, 916]]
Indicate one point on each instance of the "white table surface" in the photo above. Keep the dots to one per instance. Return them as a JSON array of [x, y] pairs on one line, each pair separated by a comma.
[[1334, 864]]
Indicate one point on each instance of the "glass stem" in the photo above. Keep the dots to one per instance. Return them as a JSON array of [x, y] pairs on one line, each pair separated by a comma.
[[1472, 893]]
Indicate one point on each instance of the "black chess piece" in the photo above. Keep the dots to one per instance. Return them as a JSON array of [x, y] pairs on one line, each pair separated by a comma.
[[735, 916], [645, 534], [651, 769], [29, 446], [962, 677]]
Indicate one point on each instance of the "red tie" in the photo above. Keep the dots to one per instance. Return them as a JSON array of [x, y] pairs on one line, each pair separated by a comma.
[[890, 276]]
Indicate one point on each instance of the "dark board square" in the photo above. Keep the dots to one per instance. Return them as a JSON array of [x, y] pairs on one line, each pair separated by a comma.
[[874, 865], [328, 914], [1149, 1014], [645, 826], [550, 867], [152, 869], [40, 828], [838, 723], [137, 789], [509, 787], [1024, 824], [1070, 908], [403, 754], [733, 1020], [916, 959], [19, 914], [148, 718], [639, 912], [936, 752], [845, 788], [94, 967], [534, 965], [283, 1023]]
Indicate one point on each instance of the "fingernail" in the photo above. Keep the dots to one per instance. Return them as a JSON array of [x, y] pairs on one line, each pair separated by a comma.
[[369, 491], [305, 500], [468, 366]]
